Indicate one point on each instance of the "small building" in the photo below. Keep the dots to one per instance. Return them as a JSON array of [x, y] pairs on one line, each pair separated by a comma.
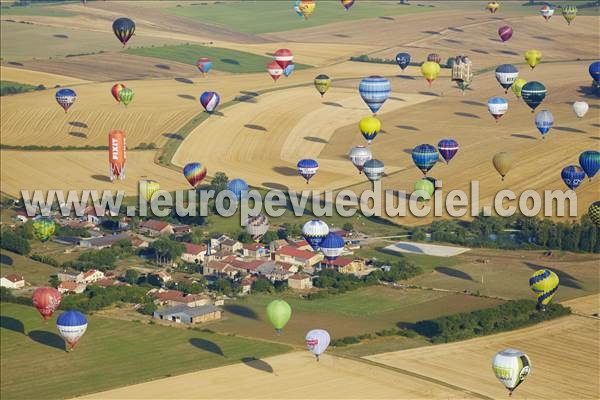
[[163, 276], [219, 268], [71, 287], [302, 245], [12, 281], [194, 253], [172, 298], [231, 246], [300, 282], [70, 277], [346, 265], [277, 244], [292, 255], [188, 315], [254, 250], [155, 228], [181, 230], [22, 216], [103, 241], [246, 267], [92, 275]]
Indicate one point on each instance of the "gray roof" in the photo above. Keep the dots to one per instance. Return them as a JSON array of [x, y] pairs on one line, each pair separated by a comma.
[[108, 240], [189, 311]]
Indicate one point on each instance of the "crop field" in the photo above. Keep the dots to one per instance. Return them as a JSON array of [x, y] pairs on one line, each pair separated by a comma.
[[37, 78], [141, 353]]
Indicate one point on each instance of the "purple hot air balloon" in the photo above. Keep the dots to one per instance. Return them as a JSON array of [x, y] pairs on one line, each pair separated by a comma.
[[448, 149], [505, 33]]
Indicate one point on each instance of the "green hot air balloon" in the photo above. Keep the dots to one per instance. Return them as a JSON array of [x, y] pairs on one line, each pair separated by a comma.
[[43, 228], [279, 313], [126, 95], [426, 188]]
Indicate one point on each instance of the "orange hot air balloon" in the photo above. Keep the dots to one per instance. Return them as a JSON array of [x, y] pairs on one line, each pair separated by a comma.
[[117, 154], [116, 89], [46, 300]]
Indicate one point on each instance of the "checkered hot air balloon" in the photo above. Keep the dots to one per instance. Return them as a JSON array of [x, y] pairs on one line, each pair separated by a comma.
[[359, 155], [425, 156], [594, 212], [374, 170], [43, 228]]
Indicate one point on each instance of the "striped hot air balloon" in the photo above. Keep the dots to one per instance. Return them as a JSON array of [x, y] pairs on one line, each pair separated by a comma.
[[544, 284], [506, 75], [569, 13], [126, 96], [497, 106], [307, 168], [283, 57], [434, 57], [275, 70], [425, 156], [533, 93], [511, 367], [374, 170], [210, 101], [544, 120], [332, 246], [314, 232], [547, 12], [124, 29], [71, 326], [347, 4], [65, 98], [505, 32], [322, 83], [374, 90], [448, 149], [194, 172], [590, 162], [151, 187]]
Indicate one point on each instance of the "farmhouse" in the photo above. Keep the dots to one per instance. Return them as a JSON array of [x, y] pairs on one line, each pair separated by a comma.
[[292, 255], [155, 228], [188, 315], [92, 275], [174, 298], [71, 287], [247, 267], [194, 253], [345, 265], [300, 282], [103, 241], [70, 277], [254, 250], [180, 230], [230, 246], [12, 281], [219, 268]]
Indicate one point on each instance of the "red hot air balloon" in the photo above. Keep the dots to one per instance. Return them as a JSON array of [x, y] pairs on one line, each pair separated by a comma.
[[117, 154], [116, 89], [274, 70], [505, 33], [46, 300], [284, 57]]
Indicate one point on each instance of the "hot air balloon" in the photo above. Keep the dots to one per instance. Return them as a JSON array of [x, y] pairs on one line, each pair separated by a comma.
[[544, 120], [547, 12], [374, 170], [374, 90], [210, 101], [289, 69], [461, 71], [115, 90], [448, 149], [46, 300], [425, 188], [43, 228], [314, 232], [434, 57], [580, 108], [204, 65], [590, 162], [517, 87], [194, 172], [283, 57], [65, 98], [257, 226], [505, 32], [594, 212], [151, 187], [124, 29], [492, 6], [430, 71], [117, 154], [307, 168], [279, 313], [533, 94], [594, 71], [544, 284], [305, 7], [369, 127], [511, 367], [317, 341], [332, 246], [502, 162], [569, 13], [347, 4], [322, 83], [425, 156], [126, 95], [71, 326], [403, 60], [533, 57], [572, 176], [237, 187], [359, 155], [274, 70], [506, 75], [497, 106]]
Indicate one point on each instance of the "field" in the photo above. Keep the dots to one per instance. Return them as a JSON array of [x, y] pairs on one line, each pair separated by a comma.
[[141, 353], [34, 272], [427, 249]]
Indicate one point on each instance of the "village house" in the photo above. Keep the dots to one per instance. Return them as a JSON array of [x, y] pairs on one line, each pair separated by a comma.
[[346, 265], [103, 242], [155, 228], [70, 277], [139, 243], [106, 282], [173, 298], [22, 216], [292, 255], [254, 250], [277, 244], [246, 267], [231, 246], [194, 253], [302, 245], [219, 268], [12, 281], [163, 276], [92, 276], [300, 282], [277, 271], [246, 284], [181, 230], [71, 287], [188, 315]]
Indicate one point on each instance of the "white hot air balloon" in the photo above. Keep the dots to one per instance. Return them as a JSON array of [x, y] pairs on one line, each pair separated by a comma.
[[257, 226], [71, 326], [580, 108], [359, 155], [314, 232], [317, 341], [511, 367]]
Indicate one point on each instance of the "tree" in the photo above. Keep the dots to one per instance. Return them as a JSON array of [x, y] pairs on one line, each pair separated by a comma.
[[166, 250], [219, 182], [10, 241], [263, 286], [132, 276], [269, 237], [223, 286], [244, 237], [53, 281], [348, 227]]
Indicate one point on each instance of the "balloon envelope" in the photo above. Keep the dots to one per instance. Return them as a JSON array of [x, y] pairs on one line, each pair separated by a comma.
[[210, 101], [283, 57], [126, 95], [533, 94], [237, 187], [322, 83], [547, 12], [43, 228], [289, 69], [580, 108], [533, 57], [257, 226], [115, 90], [317, 341], [544, 283], [369, 128], [46, 300], [279, 313], [306, 7], [347, 4], [505, 33], [572, 176], [374, 170], [307, 168], [511, 367], [517, 87], [275, 70], [448, 149], [332, 246], [65, 98], [403, 60], [569, 13], [430, 71], [194, 172], [359, 155], [497, 106], [123, 28], [71, 326], [594, 71], [151, 188], [374, 90], [544, 120], [425, 156], [314, 232], [424, 188], [502, 162], [594, 213], [506, 75], [204, 65], [590, 162]]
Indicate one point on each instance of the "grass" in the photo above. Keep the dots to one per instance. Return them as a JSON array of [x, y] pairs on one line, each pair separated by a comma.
[[111, 354], [277, 16], [10, 87], [36, 10], [225, 60], [34, 272]]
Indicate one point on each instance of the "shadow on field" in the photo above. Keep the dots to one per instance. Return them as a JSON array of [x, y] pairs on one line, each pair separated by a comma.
[[230, 61], [587, 92], [78, 134], [454, 273], [565, 278], [60, 36], [275, 186], [184, 80], [256, 127], [508, 52], [408, 151], [247, 97], [467, 115], [473, 103], [101, 178], [595, 137], [341, 35], [47, 338], [479, 51], [396, 98], [408, 127], [567, 129], [429, 94], [315, 139], [217, 113], [187, 97], [387, 18], [78, 124], [431, 32], [18, 64], [241, 311], [260, 365], [6, 260], [596, 125], [455, 29], [495, 40], [332, 104], [549, 39], [207, 345], [407, 77], [453, 41], [522, 136], [162, 66], [174, 136], [12, 324], [287, 171]]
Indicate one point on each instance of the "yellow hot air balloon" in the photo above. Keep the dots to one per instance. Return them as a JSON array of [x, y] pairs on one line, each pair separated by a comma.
[[322, 83], [151, 188], [569, 13], [544, 284], [533, 57], [517, 86], [307, 7], [430, 71], [369, 127], [493, 6], [502, 162]]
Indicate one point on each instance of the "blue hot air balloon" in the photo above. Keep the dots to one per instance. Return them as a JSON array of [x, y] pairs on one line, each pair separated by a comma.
[[314, 232], [506, 75], [403, 60], [374, 90], [210, 101], [594, 71], [332, 246], [65, 98], [544, 121], [533, 93], [71, 326], [289, 69], [307, 168], [448, 149], [590, 162], [425, 156], [237, 187], [572, 176]]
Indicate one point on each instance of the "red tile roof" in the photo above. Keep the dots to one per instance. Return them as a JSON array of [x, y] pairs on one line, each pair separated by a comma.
[[301, 243], [339, 262], [299, 277], [247, 265], [89, 273], [194, 249], [154, 225], [14, 278], [168, 295], [294, 252], [68, 285], [253, 246], [105, 282]]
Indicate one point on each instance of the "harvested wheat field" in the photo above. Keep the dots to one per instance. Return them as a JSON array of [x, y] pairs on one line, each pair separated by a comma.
[[49, 80], [564, 355]]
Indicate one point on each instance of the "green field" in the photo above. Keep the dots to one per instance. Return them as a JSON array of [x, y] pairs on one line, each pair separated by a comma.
[[277, 16], [225, 60], [10, 87], [34, 272], [36, 10], [111, 354]]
